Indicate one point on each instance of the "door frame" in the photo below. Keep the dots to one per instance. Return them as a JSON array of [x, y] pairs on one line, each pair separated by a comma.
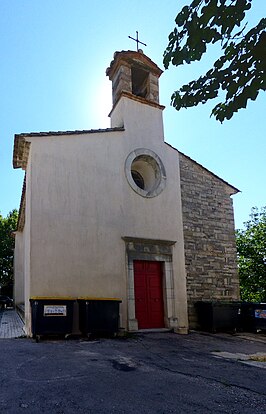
[[151, 250]]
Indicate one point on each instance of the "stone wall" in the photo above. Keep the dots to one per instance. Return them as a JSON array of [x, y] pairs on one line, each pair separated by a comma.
[[210, 250]]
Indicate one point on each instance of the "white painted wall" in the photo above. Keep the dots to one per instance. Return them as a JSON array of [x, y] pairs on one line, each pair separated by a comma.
[[28, 263], [79, 205], [19, 268]]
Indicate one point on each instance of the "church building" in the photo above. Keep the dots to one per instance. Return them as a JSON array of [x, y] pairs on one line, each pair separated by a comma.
[[119, 213]]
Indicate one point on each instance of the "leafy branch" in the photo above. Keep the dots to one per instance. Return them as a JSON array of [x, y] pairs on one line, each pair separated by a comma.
[[240, 71]]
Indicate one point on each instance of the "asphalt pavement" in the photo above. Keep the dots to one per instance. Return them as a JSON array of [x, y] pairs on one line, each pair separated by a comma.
[[143, 373]]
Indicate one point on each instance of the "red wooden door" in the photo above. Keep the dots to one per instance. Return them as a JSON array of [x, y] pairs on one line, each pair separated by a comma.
[[148, 294]]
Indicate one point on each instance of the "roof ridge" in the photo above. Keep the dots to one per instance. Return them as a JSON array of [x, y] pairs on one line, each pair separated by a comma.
[[77, 132]]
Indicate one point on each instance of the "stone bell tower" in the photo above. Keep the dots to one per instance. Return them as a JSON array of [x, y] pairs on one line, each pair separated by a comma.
[[136, 77]]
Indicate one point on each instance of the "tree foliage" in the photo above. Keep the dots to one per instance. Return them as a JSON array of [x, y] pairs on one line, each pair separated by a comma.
[[251, 248], [240, 71], [7, 244]]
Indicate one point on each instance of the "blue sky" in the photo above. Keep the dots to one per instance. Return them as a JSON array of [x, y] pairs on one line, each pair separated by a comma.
[[54, 54]]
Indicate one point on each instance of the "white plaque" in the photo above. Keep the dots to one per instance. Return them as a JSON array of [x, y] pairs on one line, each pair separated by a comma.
[[54, 310]]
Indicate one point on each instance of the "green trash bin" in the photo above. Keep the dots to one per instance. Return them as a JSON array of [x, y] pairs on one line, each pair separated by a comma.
[[99, 316], [219, 316], [51, 316]]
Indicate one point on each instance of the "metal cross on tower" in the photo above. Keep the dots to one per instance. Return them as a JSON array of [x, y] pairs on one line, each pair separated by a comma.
[[137, 40]]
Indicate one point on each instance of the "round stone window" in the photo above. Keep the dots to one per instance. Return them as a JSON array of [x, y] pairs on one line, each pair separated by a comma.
[[145, 172]]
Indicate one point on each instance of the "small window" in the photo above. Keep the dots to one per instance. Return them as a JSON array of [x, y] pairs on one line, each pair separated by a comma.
[[145, 172]]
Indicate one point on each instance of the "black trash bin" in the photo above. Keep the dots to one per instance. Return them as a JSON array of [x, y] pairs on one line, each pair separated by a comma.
[[51, 316], [219, 316], [253, 316], [99, 316]]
